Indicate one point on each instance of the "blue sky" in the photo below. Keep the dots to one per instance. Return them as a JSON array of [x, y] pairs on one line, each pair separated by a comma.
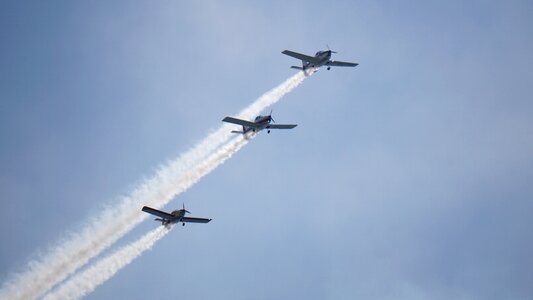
[[408, 177]]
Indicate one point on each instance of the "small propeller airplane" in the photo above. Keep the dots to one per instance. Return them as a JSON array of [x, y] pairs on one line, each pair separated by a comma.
[[321, 58], [177, 216], [259, 123]]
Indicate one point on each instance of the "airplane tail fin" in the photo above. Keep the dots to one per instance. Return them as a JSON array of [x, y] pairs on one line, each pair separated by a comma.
[[241, 132], [299, 68]]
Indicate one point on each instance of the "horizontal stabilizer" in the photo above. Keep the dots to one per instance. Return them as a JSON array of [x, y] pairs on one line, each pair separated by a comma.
[[296, 67], [236, 131]]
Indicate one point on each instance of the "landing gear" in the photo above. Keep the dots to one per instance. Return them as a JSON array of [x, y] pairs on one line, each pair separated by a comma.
[[329, 68], [182, 224], [268, 131]]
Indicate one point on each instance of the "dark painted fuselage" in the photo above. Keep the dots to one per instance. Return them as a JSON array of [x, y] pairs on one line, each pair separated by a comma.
[[178, 214], [323, 58], [262, 121]]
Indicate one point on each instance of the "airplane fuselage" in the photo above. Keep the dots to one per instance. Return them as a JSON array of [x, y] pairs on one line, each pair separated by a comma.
[[323, 58], [178, 213], [262, 122]]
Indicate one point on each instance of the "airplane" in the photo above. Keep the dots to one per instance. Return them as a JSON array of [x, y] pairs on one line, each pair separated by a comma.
[[259, 123], [321, 58], [177, 216]]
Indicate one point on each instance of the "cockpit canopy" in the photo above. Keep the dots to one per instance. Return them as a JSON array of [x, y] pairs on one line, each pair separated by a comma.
[[322, 52]]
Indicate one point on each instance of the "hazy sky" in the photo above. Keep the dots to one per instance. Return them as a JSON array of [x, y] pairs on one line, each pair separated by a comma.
[[408, 177]]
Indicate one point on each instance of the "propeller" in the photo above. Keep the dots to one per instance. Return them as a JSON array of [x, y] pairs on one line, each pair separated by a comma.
[[185, 209], [271, 119], [330, 49]]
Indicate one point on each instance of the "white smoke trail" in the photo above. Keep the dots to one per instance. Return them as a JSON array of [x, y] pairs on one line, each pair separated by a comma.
[[87, 280], [103, 230]]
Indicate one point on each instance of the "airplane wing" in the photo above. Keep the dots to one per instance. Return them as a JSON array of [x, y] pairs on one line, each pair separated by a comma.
[[240, 122], [337, 63], [300, 56], [158, 213], [195, 220], [282, 126]]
